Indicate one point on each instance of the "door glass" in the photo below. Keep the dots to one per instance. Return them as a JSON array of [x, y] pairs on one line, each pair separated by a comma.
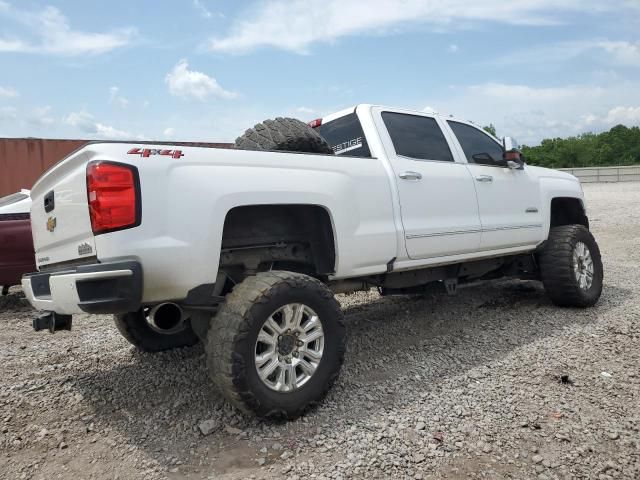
[[478, 146], [417, 137]]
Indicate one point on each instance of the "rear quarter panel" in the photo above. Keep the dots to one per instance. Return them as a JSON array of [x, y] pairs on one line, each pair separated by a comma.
[[185, 202]]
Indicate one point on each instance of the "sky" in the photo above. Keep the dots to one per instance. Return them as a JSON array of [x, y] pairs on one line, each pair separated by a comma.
[[205, 70]]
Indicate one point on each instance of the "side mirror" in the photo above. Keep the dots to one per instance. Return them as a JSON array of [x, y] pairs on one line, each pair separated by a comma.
[[512, 154], [510, 143]]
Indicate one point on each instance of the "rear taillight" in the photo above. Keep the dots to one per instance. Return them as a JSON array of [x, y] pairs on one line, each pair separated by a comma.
[[315, 123], [113, 191]]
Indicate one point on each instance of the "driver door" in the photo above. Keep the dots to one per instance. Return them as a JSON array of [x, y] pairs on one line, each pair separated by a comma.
[[509, 200]]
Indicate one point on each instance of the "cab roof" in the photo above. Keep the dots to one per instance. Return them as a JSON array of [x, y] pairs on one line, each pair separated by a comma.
[[347, 111]]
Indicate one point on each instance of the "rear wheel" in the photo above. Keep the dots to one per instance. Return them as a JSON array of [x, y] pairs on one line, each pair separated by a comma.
[[139, 332], [287, 134], [571, 267], [276, 345]]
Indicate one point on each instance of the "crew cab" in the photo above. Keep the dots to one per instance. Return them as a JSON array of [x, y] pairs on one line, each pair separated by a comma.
[[244, 248]]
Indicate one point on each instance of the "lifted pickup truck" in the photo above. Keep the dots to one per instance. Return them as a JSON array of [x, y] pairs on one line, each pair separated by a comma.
[[244, 249]]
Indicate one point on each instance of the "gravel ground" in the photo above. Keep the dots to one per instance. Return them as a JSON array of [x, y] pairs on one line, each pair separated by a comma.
[[493, 383]]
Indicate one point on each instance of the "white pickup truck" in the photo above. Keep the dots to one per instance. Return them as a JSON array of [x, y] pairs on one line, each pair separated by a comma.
[[244, 249]]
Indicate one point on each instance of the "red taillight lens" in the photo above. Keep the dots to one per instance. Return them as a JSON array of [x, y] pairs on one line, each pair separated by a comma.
[[315, 123], [114, 198]]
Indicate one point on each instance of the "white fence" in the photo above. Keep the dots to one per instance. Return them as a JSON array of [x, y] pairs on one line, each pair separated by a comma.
[[605, 174]]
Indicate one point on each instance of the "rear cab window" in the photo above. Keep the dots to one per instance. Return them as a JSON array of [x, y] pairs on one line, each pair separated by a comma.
[[346, 137]]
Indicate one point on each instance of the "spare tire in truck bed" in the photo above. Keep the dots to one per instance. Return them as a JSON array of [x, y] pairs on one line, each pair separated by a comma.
[[288, 134]]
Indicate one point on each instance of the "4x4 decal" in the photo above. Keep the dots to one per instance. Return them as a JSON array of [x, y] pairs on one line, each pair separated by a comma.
[[147, 152]]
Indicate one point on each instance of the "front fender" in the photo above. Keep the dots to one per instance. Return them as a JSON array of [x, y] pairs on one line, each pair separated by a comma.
[[558, 187]]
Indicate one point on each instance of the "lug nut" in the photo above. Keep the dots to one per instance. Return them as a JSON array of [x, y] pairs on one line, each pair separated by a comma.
[[295, 354], [299, 343]]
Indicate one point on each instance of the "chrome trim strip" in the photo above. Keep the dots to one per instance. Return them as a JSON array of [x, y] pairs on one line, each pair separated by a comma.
[[462, 232], [512, 227], [440, 234]]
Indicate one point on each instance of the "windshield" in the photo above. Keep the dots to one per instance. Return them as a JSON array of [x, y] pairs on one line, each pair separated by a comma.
[[345, 136]]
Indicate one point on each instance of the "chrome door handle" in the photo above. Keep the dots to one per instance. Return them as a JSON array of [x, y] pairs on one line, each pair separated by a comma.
[[410, 176], [484, 178]]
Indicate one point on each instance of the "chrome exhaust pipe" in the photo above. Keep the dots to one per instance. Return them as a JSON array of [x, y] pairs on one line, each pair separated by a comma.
[[166, 317]]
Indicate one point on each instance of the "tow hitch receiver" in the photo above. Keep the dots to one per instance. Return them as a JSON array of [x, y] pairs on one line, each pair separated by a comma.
[[52, 321]]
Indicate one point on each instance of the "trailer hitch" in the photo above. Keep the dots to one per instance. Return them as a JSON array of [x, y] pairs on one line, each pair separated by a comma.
[[52, 321]]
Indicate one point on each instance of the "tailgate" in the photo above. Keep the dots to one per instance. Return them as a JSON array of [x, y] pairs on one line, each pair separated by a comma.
[[60, 219]]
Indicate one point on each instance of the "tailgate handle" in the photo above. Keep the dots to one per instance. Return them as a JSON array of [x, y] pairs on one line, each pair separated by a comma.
[[49, 202]]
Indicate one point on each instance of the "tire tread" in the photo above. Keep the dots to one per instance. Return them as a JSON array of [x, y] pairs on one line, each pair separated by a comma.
[[557, 270], [232, 324], [285, 134]]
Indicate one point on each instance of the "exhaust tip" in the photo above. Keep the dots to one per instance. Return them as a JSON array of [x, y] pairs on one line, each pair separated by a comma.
[[166, 317]]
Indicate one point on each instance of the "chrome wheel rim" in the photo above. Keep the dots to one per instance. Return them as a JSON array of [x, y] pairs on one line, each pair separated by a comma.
[[583, 266], [289, 347]]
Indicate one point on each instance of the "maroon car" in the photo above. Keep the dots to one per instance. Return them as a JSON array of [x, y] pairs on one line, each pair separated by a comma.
[[16, 243]]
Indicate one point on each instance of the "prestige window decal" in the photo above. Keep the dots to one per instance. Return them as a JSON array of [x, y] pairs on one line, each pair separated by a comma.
[[347, 146]]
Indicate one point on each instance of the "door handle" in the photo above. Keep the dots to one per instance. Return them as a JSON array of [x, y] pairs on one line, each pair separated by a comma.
[[410, 176], [484, 178]]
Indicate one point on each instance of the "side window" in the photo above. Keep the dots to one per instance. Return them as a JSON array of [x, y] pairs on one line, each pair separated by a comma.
[[478, 147], [417, 137]]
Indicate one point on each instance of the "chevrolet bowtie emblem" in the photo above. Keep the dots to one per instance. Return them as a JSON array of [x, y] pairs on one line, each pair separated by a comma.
[[51, 224]]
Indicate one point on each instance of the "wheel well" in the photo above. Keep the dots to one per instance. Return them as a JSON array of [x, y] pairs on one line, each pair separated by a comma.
[[567, 211], [287, 237]]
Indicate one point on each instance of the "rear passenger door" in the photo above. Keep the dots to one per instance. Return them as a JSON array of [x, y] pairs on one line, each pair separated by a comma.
[[438, 202]]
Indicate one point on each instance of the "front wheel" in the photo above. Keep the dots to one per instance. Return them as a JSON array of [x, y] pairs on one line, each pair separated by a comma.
[[571, 267], [276, 345]]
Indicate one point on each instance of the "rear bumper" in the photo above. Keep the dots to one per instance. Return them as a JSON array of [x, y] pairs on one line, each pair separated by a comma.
[[112, 287]]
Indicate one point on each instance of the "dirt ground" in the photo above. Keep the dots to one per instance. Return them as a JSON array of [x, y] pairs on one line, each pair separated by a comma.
[[495, 382]]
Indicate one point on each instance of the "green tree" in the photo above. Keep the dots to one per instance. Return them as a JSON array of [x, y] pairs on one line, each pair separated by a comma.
[[618, 146], [490, 129]]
